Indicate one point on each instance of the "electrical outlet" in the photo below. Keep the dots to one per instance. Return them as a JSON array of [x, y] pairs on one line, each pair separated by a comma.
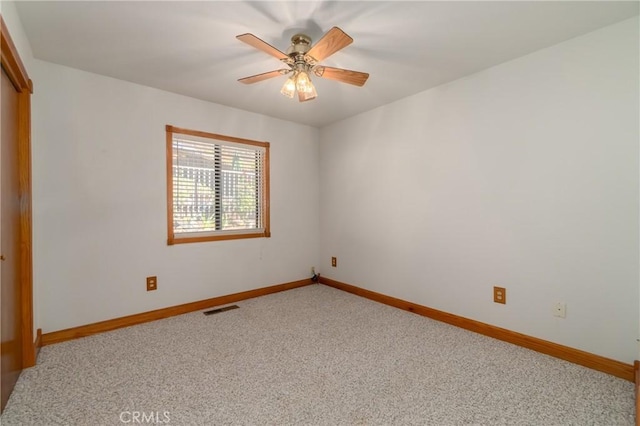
[[500, 295], [334, 262], [560, 310], [315, 277], [152, 283]]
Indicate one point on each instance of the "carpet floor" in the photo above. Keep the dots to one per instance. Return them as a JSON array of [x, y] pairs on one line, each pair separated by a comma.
[[309, 356]]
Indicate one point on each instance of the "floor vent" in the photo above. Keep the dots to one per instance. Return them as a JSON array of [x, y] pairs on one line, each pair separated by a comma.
[[217, 311]]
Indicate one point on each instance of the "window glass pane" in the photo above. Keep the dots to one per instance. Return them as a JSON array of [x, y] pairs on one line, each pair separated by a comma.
[[194, 186], [240, 182]]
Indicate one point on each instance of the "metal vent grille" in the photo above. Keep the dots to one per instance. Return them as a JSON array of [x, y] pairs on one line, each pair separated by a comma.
[[217, 311]]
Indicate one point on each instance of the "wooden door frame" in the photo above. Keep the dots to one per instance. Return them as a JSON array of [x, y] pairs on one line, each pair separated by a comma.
[[13, 66]]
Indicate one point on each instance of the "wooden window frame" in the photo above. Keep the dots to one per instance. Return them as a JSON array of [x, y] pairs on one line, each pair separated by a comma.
[[177, 238]]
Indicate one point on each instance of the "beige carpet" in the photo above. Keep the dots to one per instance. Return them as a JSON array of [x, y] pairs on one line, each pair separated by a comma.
[[310, 356]]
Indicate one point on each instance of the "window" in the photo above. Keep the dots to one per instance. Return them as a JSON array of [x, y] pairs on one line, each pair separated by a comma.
[[217, 187]]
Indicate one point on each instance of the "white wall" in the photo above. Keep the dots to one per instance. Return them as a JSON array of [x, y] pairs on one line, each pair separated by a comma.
[[99, 171], [524, 175]]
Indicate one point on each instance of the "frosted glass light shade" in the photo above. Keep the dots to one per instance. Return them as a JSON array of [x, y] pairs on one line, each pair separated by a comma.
[[309, 94], [289, 88], [303, 83]]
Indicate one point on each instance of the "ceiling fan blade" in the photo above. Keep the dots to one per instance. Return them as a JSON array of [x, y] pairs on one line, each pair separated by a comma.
[[334, 40], [260, 44], [264, 76], [345, 76]]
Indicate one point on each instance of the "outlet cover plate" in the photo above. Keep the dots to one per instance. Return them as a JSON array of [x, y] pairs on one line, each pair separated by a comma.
[[560, 310], [152, 283]]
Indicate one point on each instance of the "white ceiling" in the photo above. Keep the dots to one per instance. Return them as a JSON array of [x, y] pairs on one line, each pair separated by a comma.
[[407, 47]]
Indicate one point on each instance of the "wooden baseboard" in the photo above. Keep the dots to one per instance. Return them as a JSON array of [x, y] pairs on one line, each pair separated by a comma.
[[108, 325], [32, 358], [37, 344], [636, 370], [576, 356]]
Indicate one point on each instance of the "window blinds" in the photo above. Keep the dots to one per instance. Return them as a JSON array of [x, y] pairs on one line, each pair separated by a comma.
[[218, 186]]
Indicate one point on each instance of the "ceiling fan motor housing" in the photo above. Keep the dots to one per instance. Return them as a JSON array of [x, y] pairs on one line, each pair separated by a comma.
[[300, 44]]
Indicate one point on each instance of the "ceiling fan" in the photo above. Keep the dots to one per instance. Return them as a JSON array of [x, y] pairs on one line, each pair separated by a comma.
[[303, 60]]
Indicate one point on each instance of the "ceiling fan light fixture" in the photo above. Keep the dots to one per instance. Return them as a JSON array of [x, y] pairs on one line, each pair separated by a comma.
[[303, 83], [307, 96], [289, 88], [304, 86]]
